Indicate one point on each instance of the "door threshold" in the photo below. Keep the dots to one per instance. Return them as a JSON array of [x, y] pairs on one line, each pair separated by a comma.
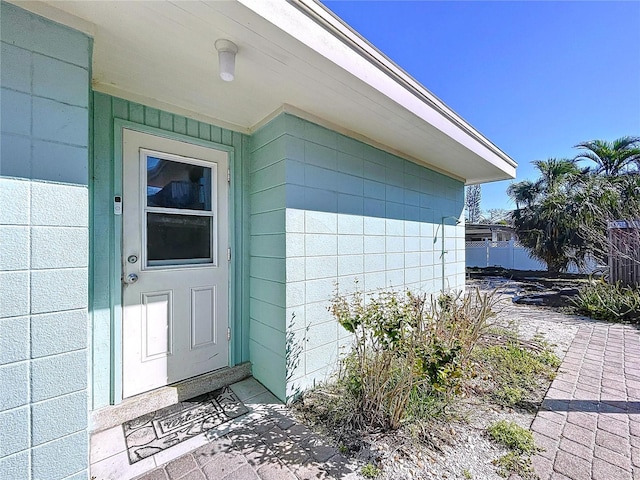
[[148, 402]]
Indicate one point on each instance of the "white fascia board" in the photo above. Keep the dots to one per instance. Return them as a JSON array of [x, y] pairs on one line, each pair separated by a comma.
[[323, 32]]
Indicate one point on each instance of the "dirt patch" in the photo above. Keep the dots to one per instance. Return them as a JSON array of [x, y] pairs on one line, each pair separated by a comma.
[[543, 289]]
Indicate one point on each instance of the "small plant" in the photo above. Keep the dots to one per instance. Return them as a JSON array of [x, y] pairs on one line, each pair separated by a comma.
[[521, 445], [370, 471], [294, 348], [508, 395], [512, 436], [614, 303], [513, 462], [467, 474]]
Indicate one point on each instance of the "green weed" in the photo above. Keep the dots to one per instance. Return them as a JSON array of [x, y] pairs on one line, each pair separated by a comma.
[[516, 370], [370, 471], [521, 446], [512, 436], [609, 302], [513, 462]]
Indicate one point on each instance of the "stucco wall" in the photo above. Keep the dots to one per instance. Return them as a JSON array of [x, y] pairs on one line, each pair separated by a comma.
[[43, 248], [346, 211]]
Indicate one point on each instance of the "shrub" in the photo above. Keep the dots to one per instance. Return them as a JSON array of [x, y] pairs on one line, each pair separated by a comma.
[[615, 303], [406, 347]]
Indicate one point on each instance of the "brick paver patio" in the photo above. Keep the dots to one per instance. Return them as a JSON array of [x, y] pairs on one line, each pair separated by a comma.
[[589, 423]]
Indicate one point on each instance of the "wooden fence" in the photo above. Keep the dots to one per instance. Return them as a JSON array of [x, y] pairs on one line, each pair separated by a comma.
[[624, 252]]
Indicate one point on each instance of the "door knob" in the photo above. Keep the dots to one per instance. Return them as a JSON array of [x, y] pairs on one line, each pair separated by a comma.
[[131, 278]]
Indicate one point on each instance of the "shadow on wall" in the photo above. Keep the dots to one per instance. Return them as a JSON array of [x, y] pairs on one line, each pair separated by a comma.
[[301, 165], [326, 210]]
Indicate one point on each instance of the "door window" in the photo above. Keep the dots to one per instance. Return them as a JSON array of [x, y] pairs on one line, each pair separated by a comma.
[[179, 209]]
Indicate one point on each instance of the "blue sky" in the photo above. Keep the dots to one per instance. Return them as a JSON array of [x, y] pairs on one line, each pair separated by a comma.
[[535, 77]]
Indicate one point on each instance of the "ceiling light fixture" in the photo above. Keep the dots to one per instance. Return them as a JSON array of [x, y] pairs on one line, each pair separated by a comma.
[[226, 58]]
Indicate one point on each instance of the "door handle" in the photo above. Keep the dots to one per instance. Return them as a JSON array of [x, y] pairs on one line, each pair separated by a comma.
[[131, 278]]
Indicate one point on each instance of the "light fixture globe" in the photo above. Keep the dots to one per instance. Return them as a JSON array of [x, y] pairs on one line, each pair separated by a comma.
[[226, 58]]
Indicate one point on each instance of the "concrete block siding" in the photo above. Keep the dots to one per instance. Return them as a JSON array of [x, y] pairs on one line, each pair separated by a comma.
[[347, 212], [43, 248], [43, 332], [45, 98], [268, 152]]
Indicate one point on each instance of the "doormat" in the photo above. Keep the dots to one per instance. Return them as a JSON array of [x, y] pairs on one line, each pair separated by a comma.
[[164, 428]]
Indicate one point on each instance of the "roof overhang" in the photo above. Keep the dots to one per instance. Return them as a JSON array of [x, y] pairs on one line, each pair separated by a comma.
[[294, 56]]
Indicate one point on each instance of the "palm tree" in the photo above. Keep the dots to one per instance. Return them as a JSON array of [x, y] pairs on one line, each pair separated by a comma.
[[524, 193], [555, 173], [545, 218], [562, 217], [611, 158], [601, 199]]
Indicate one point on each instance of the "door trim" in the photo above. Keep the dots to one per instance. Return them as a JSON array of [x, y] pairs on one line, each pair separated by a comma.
[[116, 366]]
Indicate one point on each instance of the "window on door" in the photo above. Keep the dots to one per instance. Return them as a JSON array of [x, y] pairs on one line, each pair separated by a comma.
[[179, 212]]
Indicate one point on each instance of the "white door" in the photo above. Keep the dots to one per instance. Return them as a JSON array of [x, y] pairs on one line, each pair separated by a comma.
[[175, 268]]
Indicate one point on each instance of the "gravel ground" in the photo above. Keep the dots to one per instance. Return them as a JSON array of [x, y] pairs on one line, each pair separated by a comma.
[[469, 454]]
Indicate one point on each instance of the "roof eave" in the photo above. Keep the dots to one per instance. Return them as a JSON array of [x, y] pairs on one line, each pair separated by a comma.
[[341, 30]]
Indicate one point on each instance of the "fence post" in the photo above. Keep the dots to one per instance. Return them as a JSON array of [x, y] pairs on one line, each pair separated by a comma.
[[512, 253], [486, 256]]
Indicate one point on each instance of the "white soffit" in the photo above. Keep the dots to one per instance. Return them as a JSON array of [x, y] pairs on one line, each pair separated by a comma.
[[161, 53]]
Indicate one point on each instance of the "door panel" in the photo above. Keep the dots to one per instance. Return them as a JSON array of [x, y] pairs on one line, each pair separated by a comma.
[[175, 230], [203, 304], [156, 325]]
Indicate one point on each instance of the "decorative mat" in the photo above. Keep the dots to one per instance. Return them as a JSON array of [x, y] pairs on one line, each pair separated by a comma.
[[164, 428]]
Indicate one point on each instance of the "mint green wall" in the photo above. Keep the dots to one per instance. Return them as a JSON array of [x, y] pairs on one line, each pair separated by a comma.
[[268, 155], [106, 178], [45, 71], [326, 210], [354, 212]]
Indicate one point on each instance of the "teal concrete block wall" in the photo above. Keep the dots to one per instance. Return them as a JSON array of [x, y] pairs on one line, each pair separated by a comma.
[[45, 98], [357, 213], [43, 329], [45, 72], [328, 210], [268, 151], [105, 285]]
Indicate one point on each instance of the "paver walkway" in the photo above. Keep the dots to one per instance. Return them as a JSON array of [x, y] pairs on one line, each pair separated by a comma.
[[266, 444], [589, 422]]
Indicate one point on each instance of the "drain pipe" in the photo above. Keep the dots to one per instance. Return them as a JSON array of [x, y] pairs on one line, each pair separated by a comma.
[[442, 254]]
